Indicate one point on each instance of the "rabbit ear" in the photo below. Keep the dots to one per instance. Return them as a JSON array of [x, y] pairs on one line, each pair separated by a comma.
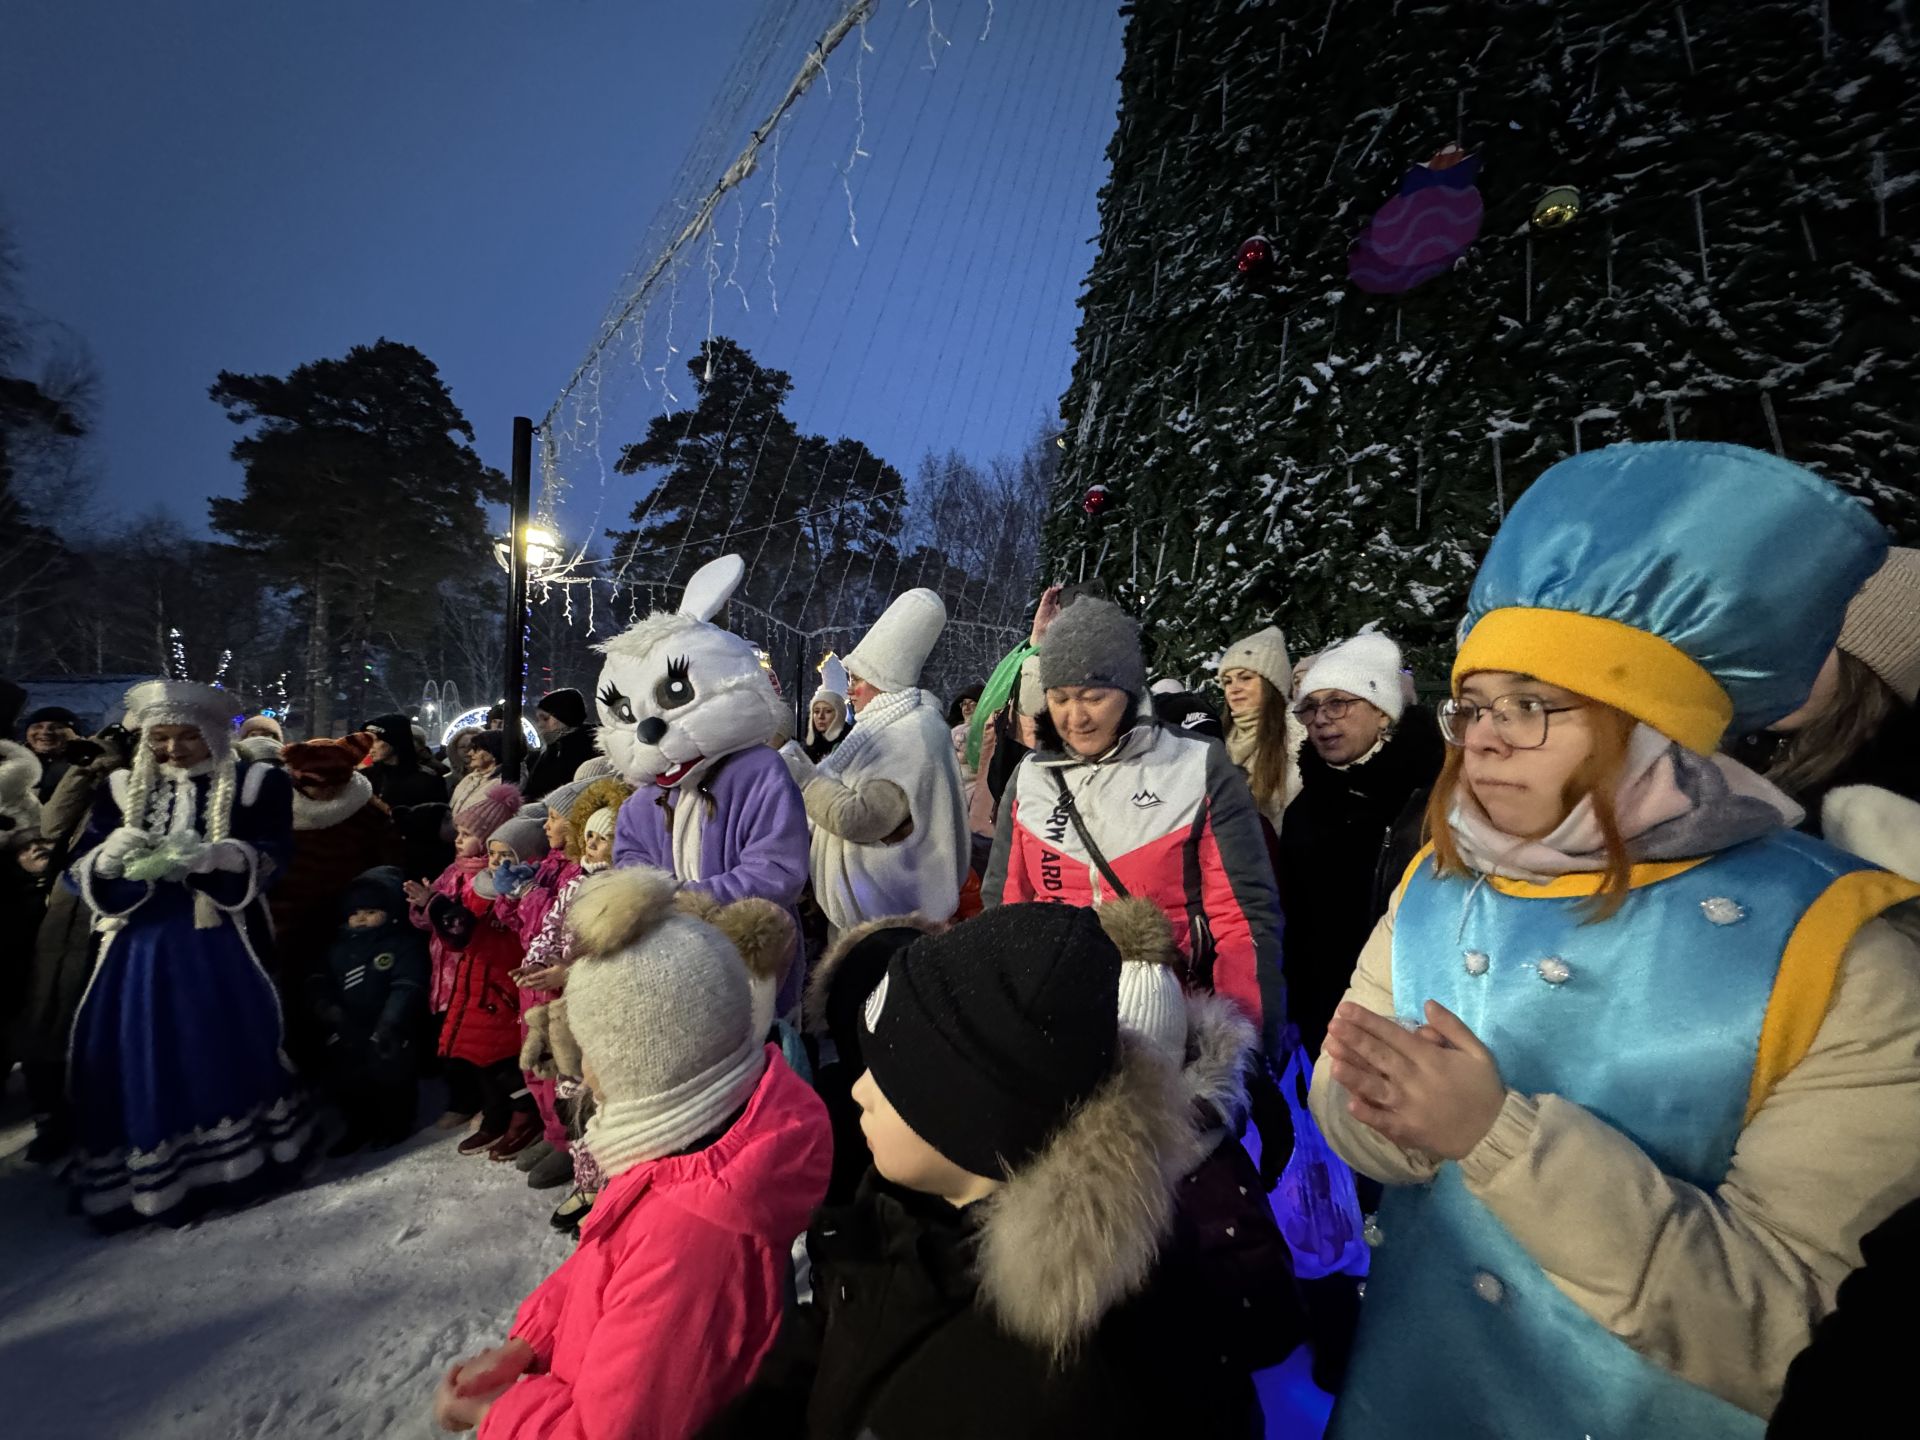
[[833, 675], [711, 586]]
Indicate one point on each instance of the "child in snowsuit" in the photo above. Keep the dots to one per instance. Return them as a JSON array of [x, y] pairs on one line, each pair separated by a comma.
[[714, 1153], [1000, 1269], [480, 1038], [527, 894], [366, 1002], [590, 822]]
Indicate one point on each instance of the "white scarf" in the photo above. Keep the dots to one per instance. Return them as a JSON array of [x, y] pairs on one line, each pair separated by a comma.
[[626, 1133], [883, 711]]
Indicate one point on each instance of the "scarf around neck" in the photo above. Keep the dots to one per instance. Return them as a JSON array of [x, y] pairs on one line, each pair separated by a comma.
[[1672, 804], [883, 711]]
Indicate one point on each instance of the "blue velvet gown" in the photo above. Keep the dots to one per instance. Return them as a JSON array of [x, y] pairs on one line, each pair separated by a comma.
[[183, 1096]]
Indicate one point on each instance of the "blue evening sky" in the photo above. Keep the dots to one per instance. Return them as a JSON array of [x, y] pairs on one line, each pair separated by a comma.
[[249, 184]]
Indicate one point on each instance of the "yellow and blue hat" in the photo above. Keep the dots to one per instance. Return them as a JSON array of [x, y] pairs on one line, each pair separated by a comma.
[[1695, 586]]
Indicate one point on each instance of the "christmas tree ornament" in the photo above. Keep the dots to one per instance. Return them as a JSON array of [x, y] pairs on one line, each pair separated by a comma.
[[1097, 499], [1254, 259], [1423, 229], [1557, 209]]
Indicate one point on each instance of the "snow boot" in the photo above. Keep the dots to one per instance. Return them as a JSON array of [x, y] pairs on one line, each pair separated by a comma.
[[481, 1141], [554, 1168], [532, 1156], [522, 1131]]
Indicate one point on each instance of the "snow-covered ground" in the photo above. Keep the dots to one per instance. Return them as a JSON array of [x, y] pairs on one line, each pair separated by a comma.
[[329, 1311]]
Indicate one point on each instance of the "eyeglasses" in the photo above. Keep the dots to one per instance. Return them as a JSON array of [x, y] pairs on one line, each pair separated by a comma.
[[1307, 710], [1519, 720]]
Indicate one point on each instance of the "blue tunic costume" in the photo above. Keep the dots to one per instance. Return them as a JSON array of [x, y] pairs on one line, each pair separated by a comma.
[[183, 1095], [1690, 587]]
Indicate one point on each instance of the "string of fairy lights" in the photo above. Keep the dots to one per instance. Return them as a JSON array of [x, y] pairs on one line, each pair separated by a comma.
[[851, 140]]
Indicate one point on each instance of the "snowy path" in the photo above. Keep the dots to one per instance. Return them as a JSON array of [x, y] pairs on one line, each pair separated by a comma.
[[326, 1312]]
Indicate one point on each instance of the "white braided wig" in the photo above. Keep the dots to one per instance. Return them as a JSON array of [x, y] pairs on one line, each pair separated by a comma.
[[210, 711]]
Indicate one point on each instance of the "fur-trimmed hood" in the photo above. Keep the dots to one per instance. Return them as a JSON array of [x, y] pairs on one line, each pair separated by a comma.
[[1220, 1041], [826, 973], [1079, 1229]]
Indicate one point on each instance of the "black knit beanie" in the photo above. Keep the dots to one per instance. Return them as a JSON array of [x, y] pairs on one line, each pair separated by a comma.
[[569, 707], [986, 1038]]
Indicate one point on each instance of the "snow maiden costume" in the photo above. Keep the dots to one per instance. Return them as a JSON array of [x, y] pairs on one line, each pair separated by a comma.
[[686, 711], [889, 821], [1713, 1093], [183, 1095]]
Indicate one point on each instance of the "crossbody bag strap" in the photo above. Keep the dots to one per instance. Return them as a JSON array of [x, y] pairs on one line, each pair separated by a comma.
[[1079, 828]]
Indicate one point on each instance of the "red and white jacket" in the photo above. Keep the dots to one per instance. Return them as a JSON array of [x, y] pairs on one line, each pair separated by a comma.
[[1178, 826]]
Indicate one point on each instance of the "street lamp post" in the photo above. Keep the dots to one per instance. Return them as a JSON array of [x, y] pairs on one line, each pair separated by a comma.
[[521, 499]]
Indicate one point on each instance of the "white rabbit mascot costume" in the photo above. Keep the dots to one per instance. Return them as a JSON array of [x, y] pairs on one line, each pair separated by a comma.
[[686, 712], [889, 823]]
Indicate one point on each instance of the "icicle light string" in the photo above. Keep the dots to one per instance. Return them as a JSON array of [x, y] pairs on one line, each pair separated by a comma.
[[588, 403], [743, 166], [813, 311], [1017, 94], [1021, 94]]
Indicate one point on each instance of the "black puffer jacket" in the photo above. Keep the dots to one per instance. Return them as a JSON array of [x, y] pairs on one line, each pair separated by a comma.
[[418, 802], [556, 764], [1007, 1318], [1346, 840]]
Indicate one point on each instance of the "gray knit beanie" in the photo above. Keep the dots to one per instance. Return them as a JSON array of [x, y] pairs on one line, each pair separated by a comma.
[[1883, 623], [1093, 642]]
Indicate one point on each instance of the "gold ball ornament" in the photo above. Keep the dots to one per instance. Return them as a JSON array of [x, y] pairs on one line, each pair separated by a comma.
[[1557, 209]]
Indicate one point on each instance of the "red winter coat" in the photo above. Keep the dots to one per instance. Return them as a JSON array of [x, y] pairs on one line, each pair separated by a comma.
[[666, 1309], [1178, 826], [483, 1011]]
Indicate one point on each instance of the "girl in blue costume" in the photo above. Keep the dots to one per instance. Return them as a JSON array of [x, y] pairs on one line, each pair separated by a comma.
[[183, 1095], [1638, 1064]]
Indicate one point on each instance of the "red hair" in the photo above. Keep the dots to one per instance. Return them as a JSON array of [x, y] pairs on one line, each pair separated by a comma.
[[1597, 778]]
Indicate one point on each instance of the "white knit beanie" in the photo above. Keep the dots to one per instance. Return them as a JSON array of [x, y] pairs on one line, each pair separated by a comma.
[[1154, 1007], [1367, 666], [663, 1006], [890, 656], [1265, 653], [1152, 1003], [601, 821], [1882, 628]]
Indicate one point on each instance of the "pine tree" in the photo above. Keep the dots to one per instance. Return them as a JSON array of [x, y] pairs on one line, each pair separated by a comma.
[[1744, 266], [817, 518], [363, 494]]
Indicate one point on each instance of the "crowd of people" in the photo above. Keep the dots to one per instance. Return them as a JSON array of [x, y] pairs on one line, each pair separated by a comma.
[[904, 1062]]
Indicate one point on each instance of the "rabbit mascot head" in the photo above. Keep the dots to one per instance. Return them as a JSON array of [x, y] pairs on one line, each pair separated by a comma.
[[678, 693]]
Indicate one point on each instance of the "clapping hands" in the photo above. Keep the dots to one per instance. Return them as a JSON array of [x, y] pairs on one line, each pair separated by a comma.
[[1436, 1089]]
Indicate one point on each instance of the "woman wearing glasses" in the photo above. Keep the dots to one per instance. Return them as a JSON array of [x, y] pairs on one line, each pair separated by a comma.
[[1365, 771], [1638, 1063]]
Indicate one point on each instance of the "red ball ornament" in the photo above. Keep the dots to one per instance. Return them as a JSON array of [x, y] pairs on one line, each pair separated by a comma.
[[1255, 257], [1096, 500]]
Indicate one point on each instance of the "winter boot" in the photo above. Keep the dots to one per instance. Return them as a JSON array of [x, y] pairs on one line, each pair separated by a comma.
[[555, 1168], [532, 1156], [522, 1131], [481, 1141]]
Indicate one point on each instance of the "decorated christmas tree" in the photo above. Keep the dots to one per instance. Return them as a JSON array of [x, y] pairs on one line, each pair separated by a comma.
[[1367, 269]]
